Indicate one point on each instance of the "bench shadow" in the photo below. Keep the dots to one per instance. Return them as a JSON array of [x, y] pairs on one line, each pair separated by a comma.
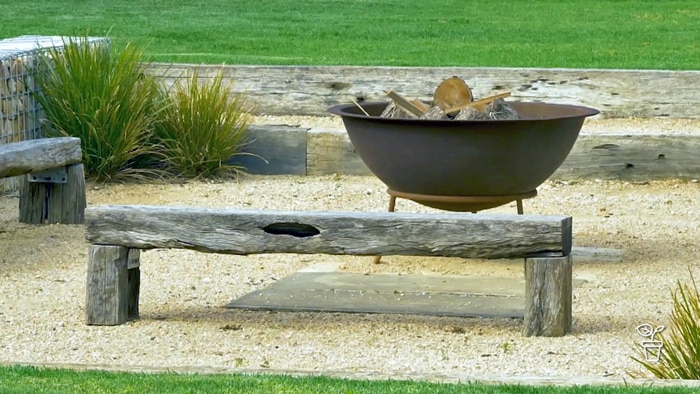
[[233, 319], [237, 319]]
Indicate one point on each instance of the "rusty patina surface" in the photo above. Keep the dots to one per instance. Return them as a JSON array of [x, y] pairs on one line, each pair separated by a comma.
[[486, 158]]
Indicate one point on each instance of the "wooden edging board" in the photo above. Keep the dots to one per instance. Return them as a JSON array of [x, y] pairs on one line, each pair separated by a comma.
[[311, 90], [303, 151]]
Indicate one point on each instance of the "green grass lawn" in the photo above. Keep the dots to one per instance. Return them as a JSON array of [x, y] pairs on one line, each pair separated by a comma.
[[640, 34], [33, 380], [491, 33]]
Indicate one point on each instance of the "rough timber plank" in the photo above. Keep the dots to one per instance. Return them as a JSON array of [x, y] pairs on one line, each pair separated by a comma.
[[355, 233], [632, 158], [23, 157], [310, 90]]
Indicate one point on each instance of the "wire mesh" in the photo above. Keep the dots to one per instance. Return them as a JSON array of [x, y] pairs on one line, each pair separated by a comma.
[[20, 114]]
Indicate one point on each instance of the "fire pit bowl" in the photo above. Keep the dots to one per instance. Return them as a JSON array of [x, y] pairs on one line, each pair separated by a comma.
[[486, 162]]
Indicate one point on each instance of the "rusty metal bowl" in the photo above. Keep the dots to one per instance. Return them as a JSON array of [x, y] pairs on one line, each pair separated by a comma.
[[450, 158]]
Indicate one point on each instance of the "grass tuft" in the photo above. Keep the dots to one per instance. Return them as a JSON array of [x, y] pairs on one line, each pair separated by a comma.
[[102, 97], [680, 358], [201, 127]]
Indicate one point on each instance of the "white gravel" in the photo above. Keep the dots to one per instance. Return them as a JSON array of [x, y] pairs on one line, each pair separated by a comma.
[[647, 236], [639, 240]]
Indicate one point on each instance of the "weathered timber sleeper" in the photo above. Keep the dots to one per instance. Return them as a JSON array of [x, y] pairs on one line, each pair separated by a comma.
[[54, 189], [118, 233]]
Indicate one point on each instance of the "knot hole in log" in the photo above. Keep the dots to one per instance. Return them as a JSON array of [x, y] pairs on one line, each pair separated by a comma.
[[298, 230]]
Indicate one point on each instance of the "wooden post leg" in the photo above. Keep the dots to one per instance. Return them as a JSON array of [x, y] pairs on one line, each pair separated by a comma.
[[67, 201], [134, 283], [62, 203], [548, 296], [32, 201], [107, 291]]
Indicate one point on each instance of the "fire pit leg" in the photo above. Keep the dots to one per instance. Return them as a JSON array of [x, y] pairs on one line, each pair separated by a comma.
[[519, 202], [392, 208]]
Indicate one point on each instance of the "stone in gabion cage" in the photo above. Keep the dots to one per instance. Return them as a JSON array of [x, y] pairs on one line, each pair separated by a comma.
[[20, 114]]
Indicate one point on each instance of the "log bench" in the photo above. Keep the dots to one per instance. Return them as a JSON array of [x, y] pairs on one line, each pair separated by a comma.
[[54, 189], [118, 233]]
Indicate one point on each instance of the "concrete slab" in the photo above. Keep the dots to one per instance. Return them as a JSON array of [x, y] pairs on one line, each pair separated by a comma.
[[273, 150], [390, 293]]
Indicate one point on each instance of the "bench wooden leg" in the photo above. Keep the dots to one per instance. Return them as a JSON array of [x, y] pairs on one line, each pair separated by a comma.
[[63, 203], [112, 290], [548, 296]]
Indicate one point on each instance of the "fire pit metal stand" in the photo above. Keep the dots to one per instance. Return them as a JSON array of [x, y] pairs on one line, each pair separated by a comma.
[[471, 204]]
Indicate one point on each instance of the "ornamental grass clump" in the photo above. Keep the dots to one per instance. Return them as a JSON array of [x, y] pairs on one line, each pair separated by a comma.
[[103, 97], [680, 355], [201, 128]]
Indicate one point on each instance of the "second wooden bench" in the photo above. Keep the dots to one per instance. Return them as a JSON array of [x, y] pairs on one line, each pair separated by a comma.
[[54, 189]]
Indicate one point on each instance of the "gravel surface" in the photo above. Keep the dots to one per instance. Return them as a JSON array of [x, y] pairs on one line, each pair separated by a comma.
[[639, 240]]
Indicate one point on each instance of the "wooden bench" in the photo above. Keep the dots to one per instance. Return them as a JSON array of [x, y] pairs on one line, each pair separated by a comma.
[[118, 233], [54, 190]]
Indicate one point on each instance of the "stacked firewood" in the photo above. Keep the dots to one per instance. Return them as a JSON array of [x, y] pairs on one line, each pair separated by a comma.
[[452, 100]]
